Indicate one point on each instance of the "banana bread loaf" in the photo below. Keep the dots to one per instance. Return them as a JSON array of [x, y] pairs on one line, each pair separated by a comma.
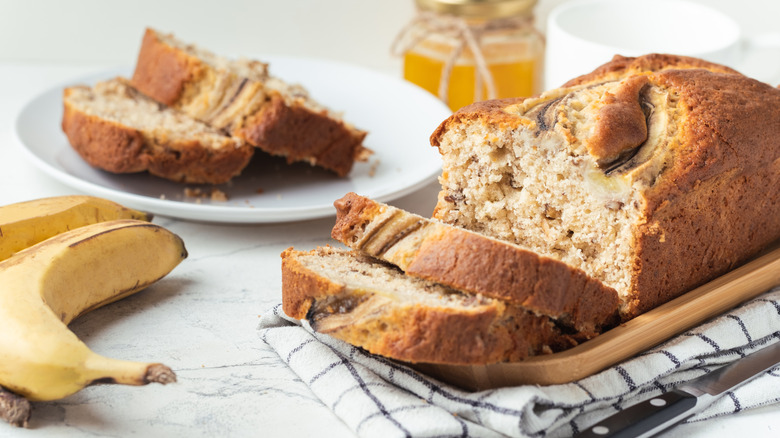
[[115, 128], [476, 264], [242, 99], [373, 305], [652, 174]]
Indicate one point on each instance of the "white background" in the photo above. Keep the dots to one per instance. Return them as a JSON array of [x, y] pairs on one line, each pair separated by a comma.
[[356, 31]]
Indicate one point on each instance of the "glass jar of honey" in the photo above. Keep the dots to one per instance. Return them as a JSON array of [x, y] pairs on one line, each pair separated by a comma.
[[470, 50]]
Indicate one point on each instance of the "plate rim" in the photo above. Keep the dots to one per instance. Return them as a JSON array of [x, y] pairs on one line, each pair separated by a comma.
[[190, 211]]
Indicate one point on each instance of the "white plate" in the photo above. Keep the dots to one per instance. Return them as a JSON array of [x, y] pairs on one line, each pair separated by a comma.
[[398, 116]]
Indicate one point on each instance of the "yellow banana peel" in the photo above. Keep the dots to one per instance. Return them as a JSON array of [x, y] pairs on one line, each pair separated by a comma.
[[46, 286], [26, 223]]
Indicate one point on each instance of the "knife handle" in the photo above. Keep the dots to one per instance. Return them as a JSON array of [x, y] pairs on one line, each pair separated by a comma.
[[645, 418]]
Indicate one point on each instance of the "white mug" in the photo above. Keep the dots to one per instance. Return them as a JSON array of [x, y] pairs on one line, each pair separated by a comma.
[[583, 34]]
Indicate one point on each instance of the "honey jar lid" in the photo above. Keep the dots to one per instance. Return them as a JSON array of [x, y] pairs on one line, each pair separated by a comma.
[[478, 8]]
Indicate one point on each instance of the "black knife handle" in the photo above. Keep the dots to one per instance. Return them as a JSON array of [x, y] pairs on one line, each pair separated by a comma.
[[644, 417]]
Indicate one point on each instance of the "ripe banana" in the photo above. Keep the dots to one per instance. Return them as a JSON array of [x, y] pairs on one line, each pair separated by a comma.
[[46, 286], [26, 223]]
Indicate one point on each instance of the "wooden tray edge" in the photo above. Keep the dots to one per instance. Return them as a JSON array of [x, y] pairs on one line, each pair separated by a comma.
[[622, 342]]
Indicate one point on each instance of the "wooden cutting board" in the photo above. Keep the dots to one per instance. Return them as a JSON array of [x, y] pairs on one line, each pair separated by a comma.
[[626, 340]]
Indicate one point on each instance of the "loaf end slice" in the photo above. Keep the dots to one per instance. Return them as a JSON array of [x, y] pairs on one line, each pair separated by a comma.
[[476, 263], [373, 305], [243, 99], [114, 127]]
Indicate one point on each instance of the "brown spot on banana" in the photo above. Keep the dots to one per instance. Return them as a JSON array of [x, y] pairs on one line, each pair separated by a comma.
[[93, 236], [103, 381]]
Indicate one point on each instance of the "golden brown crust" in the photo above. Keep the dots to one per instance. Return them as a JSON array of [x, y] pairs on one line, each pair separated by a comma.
[[714, 204], [622, 66], [731, 123], [689, 242], [477, 264], [618, 67], [288, 128], [718, 204], [415, 332], [104, 144], [301, 134], [423, 335], [177, 68], [298, 291], [353, 212], [477, 110], [117, 148]]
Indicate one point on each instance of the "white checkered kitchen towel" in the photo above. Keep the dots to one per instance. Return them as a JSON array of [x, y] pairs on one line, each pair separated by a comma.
[[378, 397]]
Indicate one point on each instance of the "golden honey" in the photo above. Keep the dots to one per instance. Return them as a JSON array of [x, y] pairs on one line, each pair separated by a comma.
[[510, 49]]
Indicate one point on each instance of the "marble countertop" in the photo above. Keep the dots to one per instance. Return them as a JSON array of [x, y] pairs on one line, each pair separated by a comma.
[[202, 321]]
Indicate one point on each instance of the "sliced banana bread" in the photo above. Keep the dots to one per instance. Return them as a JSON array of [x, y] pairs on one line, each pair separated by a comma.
[[476, 264], [115, 128], [651, 174], [373, 305], [241, 98]]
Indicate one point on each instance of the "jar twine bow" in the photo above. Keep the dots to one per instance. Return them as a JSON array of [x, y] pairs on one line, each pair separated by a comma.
[[465, 35]]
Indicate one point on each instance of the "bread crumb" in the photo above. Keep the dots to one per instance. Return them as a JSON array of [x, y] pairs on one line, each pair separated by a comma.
[[197, 193], [162, 196], [193, 193], [279, 197], [372, 169], [218, 195], [259, 191]]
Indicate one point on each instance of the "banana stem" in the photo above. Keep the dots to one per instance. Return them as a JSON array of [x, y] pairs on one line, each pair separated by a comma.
[[14, 408], [159, 373], [102, 369]]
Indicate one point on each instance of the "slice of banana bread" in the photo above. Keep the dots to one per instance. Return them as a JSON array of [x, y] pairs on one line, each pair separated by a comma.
[[652, 174], [115, 128], [476, 264], [373, 305], [241, 98]]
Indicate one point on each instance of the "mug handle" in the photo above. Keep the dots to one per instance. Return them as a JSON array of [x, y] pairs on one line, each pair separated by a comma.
[[761, 57]]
